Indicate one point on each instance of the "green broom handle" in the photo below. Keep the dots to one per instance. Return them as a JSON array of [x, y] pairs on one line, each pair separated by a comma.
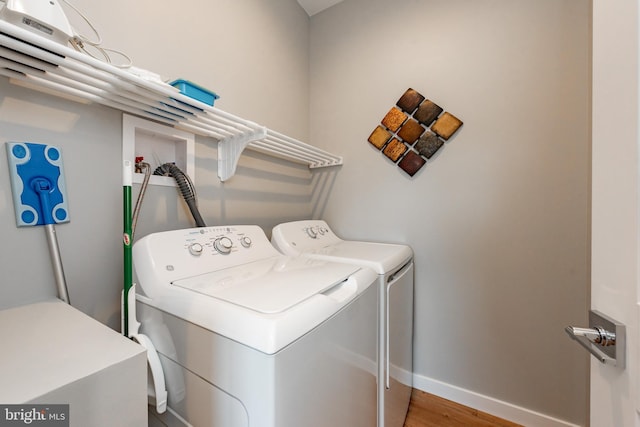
[[126, 239]]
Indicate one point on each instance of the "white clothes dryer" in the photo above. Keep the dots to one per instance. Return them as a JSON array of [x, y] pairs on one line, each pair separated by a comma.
[[248, 337], [394, 265]]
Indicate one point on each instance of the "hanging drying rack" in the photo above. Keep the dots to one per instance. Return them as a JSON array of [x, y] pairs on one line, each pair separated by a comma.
[[38, 62]]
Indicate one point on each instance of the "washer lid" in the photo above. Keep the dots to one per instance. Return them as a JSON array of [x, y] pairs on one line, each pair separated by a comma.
[[271, 285], [380, 257]]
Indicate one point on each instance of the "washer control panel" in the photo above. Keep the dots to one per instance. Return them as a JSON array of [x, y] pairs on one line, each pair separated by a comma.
[[176, 254], [217, 240]]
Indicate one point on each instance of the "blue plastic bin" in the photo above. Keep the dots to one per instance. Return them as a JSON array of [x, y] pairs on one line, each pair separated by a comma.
[[194, 91]]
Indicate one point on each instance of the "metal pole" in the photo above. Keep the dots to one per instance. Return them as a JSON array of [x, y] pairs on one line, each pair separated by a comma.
[[56, 262]]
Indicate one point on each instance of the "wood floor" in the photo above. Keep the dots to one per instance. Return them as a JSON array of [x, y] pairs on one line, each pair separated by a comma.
[[428, 410]]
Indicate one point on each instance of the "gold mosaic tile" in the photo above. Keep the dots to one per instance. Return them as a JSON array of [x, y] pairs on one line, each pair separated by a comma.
[[379, 137], [394, 119], [410, 131], [446, 125], [395, 149]]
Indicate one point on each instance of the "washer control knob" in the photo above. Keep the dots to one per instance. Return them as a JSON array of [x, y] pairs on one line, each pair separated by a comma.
[[195, 249], [246, 241], [322, 231], [311, 232], [223, 245]]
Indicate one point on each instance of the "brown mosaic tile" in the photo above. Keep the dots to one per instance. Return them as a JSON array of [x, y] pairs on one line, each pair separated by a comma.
[[411, 163], [410, 131], [410, 100], [428, 144], [446, 125], [394, 149], [394, 119], [427, 112], [379, 137]]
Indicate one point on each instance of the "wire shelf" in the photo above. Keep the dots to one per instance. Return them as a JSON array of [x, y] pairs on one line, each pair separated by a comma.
[[38, 62]]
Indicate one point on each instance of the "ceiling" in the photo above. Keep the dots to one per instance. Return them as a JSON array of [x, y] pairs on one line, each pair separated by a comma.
[[314, 6]]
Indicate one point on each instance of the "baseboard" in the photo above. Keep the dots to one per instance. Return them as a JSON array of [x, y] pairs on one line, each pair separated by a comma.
[[487, 404]]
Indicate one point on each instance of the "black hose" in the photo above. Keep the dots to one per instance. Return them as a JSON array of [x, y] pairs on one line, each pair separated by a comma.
[[186, 187]]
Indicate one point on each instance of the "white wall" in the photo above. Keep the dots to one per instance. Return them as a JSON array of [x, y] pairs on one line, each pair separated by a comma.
[[499, 219], [255, 56]]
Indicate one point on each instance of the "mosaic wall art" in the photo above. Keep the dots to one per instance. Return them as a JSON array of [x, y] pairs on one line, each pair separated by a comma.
[[413, 131]]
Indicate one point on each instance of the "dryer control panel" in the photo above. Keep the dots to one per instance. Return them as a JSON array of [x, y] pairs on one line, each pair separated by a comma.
[[293, 238], [316, 231]]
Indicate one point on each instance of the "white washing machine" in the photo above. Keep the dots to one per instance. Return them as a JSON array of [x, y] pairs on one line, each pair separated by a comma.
[[394, 265], [249, 337]]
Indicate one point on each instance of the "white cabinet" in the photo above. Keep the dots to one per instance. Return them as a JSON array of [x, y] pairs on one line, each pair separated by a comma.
[[54, 354]]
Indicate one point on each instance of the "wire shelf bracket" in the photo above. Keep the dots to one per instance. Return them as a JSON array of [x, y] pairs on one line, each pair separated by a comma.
[[230, 149]]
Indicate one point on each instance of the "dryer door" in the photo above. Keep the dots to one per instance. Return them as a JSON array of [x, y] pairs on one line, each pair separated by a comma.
[[399, 346]]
